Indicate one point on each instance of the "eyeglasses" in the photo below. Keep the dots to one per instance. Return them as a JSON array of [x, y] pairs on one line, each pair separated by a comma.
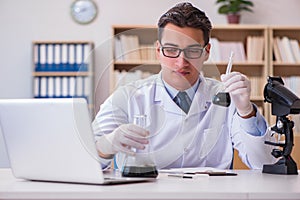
[[189, 52]]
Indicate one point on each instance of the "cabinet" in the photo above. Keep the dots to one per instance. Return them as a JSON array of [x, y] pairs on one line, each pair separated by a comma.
[[63, 69], [284, 59]]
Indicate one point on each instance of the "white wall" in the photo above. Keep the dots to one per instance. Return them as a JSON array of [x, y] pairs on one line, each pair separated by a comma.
[[23, 21]]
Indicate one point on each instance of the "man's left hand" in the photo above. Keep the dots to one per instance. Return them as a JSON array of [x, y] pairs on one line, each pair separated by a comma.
[[239, 87]]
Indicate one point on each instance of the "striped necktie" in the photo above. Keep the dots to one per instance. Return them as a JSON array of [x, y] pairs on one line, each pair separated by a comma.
[[183, 101]]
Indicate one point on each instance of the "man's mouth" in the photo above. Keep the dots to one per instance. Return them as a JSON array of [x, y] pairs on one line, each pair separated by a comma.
[[182, 72]]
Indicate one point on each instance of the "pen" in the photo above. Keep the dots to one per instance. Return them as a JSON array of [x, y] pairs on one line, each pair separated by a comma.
[[229, 65], [188, 176], [213, 173]]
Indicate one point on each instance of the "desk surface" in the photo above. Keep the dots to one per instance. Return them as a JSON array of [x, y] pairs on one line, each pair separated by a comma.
[[249, 184]]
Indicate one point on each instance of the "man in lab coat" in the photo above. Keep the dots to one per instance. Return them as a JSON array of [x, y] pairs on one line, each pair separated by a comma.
[[201, 134]]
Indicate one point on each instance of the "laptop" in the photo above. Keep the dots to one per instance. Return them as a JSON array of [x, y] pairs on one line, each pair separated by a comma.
[[52, 140]]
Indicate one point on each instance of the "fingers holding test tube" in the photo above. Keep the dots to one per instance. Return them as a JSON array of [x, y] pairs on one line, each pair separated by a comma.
[[239, 87]]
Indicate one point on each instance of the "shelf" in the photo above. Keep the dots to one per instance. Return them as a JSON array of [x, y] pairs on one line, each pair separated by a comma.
[[246, 63], [137, 62], [62, 42], [278, 64], [247, 68], [61, 74], [286, 69]]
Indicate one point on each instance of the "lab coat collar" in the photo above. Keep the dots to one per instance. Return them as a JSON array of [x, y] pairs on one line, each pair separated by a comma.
[[200, 103], [162, 96]]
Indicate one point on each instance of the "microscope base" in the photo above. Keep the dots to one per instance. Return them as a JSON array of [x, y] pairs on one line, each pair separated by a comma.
[[286, 165]]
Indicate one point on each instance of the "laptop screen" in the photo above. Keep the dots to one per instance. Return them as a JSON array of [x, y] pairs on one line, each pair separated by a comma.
[[50, 139]]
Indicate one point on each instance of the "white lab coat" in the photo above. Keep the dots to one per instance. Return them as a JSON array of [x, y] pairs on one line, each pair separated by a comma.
[[205, 137]]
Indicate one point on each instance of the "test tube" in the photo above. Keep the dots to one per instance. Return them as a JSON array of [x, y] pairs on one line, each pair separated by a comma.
[[140, 120]]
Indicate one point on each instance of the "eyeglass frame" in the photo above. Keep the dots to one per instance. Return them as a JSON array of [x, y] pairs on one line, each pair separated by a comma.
[[182, 50]]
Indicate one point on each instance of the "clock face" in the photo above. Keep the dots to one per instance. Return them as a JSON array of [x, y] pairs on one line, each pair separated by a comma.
[[83, 11]]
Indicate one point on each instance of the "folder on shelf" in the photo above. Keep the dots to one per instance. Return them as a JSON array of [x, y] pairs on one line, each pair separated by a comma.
[[50, 88], [79, 86], [71, 56], [64, 57], [87, 50], [72, 83], [42, 53], [79, 57], [295, 49], [36, 89], [65, 87], [57, 57], [36, 57], [58, 84], [50, 58], [287, 49], [43, 86], [276, 50]]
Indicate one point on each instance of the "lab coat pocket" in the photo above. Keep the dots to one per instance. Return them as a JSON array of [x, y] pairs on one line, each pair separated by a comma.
[[210, 139]]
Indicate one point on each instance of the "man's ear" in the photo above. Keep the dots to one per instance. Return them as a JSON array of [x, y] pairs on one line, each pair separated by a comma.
[[207, 51], [157, 50]]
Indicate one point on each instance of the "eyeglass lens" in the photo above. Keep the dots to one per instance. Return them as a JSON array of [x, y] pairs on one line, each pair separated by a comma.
[[173, 52]]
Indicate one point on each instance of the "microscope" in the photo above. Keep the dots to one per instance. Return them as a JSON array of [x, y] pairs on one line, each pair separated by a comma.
[[283, 102]]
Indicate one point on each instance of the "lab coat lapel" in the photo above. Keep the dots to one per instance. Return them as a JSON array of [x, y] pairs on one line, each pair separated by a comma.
[[202, 98], [162, 96]]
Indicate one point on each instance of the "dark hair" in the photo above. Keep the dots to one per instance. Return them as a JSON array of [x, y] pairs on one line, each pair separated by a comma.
[[185, 15]]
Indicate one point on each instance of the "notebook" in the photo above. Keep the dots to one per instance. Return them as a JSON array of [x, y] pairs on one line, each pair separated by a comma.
[[52, 140]]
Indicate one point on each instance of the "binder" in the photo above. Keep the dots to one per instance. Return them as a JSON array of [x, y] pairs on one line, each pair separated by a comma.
[[43, 87], [79, 86], [49, 56], [79, 57], [57, 57], [87, 85], [50, 84], [36, 87], [43, 57], [65, 87], [72, 87], [36, 57], [64, 57], [71, 57], [58, 87]]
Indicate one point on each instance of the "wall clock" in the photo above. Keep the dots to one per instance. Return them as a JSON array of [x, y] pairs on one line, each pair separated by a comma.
[[84, 11]]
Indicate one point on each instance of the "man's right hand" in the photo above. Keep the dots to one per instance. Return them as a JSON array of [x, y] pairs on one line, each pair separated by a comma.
[[121, 140]]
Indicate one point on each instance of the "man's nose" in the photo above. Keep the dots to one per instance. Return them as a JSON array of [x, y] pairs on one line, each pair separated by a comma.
[[181, 58]]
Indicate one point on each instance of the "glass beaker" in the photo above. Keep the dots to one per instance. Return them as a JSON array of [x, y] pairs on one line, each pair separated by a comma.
[[141, 164]]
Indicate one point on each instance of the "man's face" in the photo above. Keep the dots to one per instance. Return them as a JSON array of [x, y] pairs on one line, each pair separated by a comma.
[[181, 72]]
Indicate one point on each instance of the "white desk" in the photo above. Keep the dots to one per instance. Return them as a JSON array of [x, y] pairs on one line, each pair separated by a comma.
[[247, 185]]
